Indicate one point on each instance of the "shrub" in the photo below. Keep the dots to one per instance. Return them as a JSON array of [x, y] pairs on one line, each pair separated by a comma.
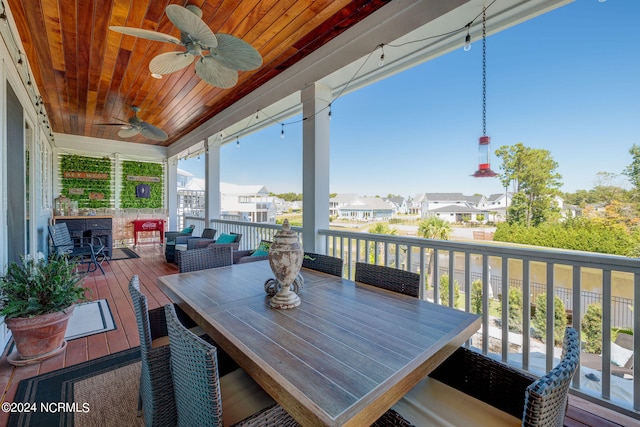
[[579, 234], [560, 318], [444, 291], [515, 310], [592, 329], [476, 297]]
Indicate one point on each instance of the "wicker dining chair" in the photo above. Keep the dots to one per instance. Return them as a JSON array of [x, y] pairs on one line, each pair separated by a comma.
[[199, 389], [200, 259], [536, 401], [198, 394], [389, 278], [156, 399], [324, 263]]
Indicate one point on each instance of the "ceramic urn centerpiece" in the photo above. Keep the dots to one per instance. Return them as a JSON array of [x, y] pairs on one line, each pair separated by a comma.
[[285, 258]]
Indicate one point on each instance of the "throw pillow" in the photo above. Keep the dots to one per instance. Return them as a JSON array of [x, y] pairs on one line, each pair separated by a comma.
[[620, 355], [187, 230], [263, 249], [226, 238]]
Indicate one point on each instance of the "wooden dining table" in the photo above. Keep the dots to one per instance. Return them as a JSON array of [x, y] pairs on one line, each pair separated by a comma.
[[341, 358]]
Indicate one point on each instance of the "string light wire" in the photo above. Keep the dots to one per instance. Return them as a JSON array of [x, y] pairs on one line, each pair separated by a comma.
[[380, 46]]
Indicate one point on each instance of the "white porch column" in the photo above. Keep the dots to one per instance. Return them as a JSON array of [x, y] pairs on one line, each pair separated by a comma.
[[172, 193], [315, 162], [212, 179]]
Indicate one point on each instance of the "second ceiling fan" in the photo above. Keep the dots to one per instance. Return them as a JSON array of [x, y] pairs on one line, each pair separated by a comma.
[[218, 57]]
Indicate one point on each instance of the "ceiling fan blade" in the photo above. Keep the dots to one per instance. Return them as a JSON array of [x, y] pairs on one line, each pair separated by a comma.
[[236, 54], [214, 73], [128, 133], [190, 23], [122, 122], [169, 62], [152, 132], [146, 34]]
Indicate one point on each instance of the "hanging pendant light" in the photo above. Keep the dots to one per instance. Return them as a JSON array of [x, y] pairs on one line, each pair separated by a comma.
[[484, 153]]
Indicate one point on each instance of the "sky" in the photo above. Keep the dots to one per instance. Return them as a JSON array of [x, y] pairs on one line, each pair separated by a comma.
[[567, 81]]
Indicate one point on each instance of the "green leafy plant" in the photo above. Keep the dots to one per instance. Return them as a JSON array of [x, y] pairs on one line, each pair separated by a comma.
[[515, 310], [444, 291], [559, 314], [128, 197], [34, 287], [592, 329], [476, 297], [84, 164]]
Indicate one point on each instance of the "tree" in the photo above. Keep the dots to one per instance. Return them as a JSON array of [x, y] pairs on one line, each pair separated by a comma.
[[380, 228], [433, 228], [476, 297], [633, 170], [532, 173], [444, 291], [559, 315], [515, 310], [592, 329]]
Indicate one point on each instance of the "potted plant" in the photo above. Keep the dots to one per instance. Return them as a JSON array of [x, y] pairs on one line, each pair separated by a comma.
[[37, 297]]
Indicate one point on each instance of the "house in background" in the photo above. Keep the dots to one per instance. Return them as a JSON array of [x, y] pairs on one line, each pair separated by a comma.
[[246, 203], [415, 205], [398, 204], [250, 203], [339, 201], [455, 207], [366, 209]]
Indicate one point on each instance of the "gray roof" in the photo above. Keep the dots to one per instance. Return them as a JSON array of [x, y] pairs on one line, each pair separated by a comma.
[[449, 197], [397, 200], [344, 198], [368, 203], [458, 209]]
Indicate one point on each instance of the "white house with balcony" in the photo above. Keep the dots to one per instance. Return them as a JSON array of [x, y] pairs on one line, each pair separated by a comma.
[[341, 200], [238, 202]]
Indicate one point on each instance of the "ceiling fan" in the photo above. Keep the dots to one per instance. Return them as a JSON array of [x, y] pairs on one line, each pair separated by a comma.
[[218, 57], [134, 126]]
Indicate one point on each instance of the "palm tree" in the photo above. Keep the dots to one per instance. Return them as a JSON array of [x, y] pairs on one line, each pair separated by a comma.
[[434, 227], [380, 228]]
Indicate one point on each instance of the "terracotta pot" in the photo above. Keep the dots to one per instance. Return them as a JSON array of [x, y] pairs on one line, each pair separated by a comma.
[[40, 337]]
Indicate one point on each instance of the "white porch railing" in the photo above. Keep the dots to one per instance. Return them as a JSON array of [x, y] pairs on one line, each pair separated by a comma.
[[577, 278]]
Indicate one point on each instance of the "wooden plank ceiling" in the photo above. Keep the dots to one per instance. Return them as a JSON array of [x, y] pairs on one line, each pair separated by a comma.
[[88, 74]]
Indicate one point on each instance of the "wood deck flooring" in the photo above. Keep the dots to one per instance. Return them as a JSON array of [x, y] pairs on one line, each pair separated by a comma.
[[151, 264]]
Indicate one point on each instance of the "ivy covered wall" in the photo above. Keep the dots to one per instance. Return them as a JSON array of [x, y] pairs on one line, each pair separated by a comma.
[[86, 180], [142, 185]]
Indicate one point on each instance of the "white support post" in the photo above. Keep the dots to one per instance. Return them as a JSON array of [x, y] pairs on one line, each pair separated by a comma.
[[172, 193], [212, 179], [315, 162]]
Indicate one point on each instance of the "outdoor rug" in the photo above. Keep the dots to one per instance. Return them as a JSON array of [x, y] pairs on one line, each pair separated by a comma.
[[90, 318], [101, 392], [122, 253]]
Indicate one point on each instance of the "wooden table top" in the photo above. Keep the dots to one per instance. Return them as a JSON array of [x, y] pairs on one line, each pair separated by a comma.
[[342, 358]]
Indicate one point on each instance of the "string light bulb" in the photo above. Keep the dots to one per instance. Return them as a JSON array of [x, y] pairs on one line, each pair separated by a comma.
[[467, 39], [381, 61], [329, 115], [282, 132], [237, 142]]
